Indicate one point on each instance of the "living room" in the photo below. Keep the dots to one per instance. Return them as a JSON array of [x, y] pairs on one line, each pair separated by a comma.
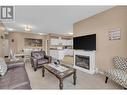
[[104, 28]]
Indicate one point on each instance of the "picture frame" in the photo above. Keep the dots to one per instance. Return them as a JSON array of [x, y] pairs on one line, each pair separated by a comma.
[[114, 34]]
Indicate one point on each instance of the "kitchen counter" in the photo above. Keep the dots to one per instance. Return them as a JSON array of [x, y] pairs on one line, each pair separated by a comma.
[[57, 54]]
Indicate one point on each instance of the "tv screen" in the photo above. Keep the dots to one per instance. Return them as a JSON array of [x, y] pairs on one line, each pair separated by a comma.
[[87, 42]]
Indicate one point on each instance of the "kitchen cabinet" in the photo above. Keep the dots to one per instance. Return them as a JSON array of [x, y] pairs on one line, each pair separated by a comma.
[[61, 42], [55, 41], [69, 42]]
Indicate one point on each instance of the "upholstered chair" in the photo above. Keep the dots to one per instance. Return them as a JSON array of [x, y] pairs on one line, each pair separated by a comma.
[[38, 58], [119, 72]]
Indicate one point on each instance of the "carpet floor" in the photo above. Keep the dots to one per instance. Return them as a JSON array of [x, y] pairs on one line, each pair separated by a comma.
[[84, 80]]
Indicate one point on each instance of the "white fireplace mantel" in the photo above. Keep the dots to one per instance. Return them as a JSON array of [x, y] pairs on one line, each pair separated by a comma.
[[91, 55]]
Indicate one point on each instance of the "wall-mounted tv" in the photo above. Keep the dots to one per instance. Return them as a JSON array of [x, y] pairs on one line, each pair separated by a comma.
[[87, 42]]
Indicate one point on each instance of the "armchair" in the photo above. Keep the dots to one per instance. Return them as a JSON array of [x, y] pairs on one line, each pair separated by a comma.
[[119, 72], [38, 58]]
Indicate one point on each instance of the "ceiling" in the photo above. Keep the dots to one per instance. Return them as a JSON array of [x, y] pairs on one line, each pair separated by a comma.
[[51, 19]]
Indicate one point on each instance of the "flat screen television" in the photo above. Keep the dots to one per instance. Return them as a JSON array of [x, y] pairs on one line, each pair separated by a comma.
[[87, 42]]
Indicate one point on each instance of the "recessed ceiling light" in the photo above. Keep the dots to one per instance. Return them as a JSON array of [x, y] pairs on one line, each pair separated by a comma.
[[70, 33], [40, 33]]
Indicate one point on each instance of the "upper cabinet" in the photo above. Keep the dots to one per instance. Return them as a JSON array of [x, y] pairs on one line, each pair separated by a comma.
[[67, 42], [63, 42], [60, 41], [54, 41]]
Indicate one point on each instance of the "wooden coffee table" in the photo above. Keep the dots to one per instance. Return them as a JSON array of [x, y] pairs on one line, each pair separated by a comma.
[[60, 75]]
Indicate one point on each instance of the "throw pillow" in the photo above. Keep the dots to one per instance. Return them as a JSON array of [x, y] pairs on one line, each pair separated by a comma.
[[3, 67], [37, 55]]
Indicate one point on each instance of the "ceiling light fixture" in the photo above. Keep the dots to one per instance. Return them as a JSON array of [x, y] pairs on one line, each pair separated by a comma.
[[28, 27], [40, 33], [70, 33]]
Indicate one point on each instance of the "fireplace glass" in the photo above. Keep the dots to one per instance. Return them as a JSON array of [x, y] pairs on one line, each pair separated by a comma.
[[82, 61]]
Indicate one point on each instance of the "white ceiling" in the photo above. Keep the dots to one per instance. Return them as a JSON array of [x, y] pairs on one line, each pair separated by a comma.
[[52, 19]]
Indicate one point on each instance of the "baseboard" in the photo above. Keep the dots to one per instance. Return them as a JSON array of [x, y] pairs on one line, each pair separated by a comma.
[[97, 71]]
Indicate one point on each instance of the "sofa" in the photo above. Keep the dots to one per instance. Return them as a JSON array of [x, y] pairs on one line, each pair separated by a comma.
[[38, 58], [119, 72], [15, 78]]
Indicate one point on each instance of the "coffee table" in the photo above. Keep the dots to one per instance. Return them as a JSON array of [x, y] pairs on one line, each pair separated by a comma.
[[61, 75]]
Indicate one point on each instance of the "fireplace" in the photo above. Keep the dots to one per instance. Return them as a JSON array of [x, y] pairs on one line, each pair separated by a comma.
[[82, 61]]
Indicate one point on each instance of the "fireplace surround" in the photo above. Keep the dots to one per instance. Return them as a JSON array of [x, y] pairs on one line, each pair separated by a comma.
[[84, 61]]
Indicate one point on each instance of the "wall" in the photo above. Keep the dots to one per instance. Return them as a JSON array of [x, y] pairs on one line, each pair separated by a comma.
[[101, 24], [18, 43], [2, 29]]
